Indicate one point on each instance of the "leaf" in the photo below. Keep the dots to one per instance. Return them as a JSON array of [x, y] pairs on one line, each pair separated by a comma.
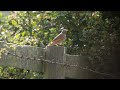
[[14, 23], [23, 33], [17, 36], [0, 14], [34, 23]]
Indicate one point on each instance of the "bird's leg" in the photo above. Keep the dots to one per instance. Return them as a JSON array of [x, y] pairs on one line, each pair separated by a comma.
[[60, 44], [56, 45]]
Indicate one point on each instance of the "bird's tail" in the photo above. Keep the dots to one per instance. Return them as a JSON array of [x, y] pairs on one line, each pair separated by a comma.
[[42, 45], [50, 44]]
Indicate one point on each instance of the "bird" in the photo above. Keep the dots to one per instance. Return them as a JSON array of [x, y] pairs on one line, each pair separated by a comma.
[[59, 38]]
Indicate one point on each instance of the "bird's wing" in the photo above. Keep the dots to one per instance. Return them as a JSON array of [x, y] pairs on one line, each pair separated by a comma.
[[57, 39]]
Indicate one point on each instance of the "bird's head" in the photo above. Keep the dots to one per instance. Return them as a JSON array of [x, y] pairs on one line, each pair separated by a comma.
[[64, 31]]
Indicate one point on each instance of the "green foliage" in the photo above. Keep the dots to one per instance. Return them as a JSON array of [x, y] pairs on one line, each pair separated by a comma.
[[88, 34], [110, 14], [12, 73]]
